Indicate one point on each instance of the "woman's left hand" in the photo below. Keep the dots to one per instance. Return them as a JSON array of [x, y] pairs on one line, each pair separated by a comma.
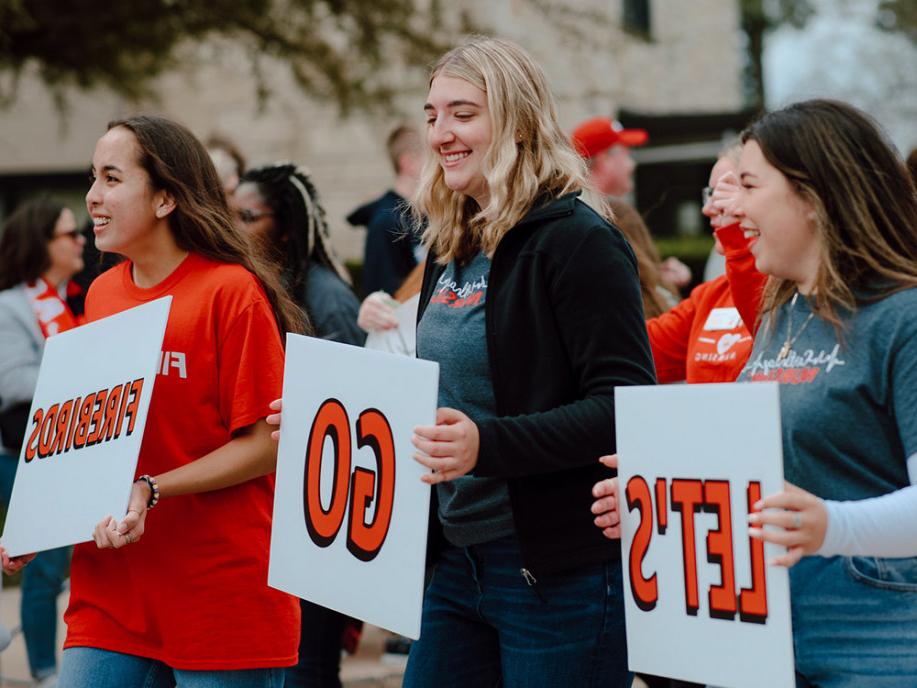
[[801, 517], [109, 533], [13, 564], [449, 448]]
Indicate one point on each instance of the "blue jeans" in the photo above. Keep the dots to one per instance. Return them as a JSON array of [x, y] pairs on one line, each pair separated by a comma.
[[41, 584], [482, 625], [319, 663], [855, 622], [89, 667]]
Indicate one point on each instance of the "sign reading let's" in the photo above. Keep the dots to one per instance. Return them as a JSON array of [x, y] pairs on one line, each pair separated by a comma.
[[701, 603], [350, 511]]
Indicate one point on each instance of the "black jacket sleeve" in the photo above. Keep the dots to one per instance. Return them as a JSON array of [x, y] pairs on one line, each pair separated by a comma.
[[594, 294]]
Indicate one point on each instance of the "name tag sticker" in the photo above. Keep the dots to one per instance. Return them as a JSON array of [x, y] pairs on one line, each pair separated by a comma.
[[723, 319]]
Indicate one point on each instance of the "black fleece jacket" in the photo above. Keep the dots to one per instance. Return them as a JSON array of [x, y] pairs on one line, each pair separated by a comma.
[[565, 326]]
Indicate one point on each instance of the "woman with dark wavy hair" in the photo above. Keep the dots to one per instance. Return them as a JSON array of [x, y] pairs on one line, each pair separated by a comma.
[[41, 249], [174, 592], [831, 211], [279, 209]]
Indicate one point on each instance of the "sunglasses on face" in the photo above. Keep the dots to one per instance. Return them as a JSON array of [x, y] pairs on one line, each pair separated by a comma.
[[74, 234], [248, 216]]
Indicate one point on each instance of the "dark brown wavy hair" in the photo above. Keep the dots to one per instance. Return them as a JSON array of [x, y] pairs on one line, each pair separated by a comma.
[[24, 241], [837, 160], [177, 162]]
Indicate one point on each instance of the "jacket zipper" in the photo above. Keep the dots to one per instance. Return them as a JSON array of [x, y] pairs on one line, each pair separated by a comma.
[[529, 578]]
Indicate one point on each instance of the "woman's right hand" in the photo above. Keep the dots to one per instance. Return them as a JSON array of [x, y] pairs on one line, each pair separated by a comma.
[[274, 418], [725, 195], [110, 534], [605, 507], [377, 312], [13, 564]]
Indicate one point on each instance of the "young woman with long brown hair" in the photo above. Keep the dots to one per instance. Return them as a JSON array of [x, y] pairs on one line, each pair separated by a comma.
[[177, 595]]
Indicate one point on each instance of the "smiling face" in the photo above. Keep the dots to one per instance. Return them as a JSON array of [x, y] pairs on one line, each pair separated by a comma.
[[460, 132], [128, 215], [779, 223], [65, 249]]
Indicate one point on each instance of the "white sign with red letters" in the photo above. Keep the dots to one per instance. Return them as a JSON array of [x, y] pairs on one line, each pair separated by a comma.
[[85, 428], [701, 603], [350, 511]]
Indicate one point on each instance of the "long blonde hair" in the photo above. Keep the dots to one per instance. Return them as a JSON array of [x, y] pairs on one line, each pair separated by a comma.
[[864, 203], [529, 158]]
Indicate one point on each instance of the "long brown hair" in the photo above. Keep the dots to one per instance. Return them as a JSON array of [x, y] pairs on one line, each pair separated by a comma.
[[865, 203], [634, 229], [178, 163], [24, 241], [529, 158]]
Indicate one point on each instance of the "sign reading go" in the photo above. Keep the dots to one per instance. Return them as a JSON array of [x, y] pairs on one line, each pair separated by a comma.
[[361, 488], [350, 511]]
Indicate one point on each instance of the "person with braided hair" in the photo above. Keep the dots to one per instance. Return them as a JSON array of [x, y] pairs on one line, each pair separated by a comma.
[[279, 208]]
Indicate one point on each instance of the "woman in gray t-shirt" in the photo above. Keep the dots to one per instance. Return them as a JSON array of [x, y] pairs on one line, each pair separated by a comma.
[[830, 212]]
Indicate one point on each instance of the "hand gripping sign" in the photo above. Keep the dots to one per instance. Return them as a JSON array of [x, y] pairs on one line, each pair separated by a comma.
[[350, 511], [85, 428], [700, 602]]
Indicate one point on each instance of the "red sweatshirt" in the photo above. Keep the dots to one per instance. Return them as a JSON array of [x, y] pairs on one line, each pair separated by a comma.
[[704, 338]]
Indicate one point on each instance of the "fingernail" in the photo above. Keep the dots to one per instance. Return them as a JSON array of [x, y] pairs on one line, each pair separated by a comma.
[[753, 518], [758, 505], [754, 532]]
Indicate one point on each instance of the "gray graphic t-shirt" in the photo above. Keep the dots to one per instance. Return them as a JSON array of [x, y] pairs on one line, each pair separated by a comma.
[[452, 332], [848, 406]]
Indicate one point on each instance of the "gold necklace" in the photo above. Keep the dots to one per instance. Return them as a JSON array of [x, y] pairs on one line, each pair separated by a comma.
[[790, 338]]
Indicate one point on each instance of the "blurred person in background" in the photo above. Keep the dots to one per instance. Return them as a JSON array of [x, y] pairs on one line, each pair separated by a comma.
[[605, 145], [228, 161], [392, 246], [708, 336], [41, 249], [657, 296], [278, 207]]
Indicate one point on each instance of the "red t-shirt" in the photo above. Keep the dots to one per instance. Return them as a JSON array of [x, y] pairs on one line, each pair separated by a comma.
[[704, 338], [193, 591]]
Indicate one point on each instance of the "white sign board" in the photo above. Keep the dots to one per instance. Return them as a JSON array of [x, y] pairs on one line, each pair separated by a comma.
[[700, 602], [85, 428], [350, 511]]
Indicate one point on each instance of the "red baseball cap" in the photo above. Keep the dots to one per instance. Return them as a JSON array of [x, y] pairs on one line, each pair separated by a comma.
[[599, 133]]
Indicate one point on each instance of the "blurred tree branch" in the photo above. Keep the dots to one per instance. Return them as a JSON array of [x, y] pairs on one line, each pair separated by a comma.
[[334, 49]]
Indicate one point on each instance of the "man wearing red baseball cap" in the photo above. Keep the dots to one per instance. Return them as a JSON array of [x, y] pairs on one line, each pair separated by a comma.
[[606, 146]]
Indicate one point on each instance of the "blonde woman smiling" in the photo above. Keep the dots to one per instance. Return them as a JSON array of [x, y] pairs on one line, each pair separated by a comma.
[[531, 306]]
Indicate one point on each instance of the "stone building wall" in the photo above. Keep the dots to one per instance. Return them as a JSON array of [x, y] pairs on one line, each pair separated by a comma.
[[691, 62]]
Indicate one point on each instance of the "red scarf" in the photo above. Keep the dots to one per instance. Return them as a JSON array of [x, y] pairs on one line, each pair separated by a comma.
[[52, 312]]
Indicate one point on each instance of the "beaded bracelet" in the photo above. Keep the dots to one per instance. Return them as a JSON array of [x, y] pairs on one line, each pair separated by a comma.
[[154, 490]]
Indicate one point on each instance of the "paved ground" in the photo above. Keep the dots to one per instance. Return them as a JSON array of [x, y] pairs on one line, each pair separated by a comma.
[[364, 670]]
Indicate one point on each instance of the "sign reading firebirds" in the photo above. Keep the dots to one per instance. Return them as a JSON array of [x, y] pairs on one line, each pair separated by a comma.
[[693, 461], [85, 428]]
